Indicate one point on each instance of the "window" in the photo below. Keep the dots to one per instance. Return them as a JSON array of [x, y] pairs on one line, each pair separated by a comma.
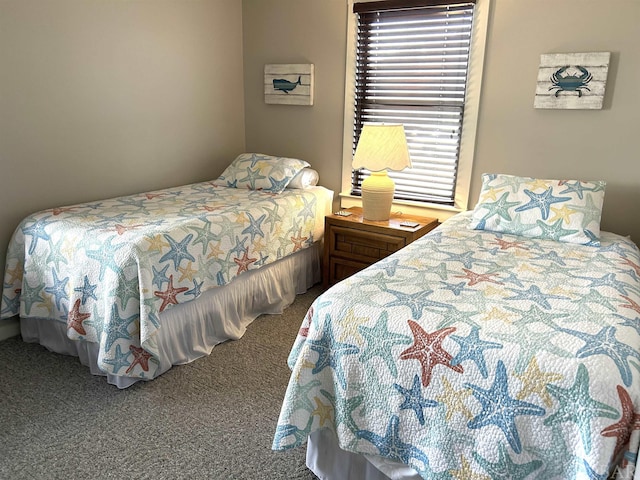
[[411, 67]]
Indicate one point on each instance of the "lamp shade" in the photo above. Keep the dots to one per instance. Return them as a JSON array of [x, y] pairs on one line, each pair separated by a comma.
[[382, 147]]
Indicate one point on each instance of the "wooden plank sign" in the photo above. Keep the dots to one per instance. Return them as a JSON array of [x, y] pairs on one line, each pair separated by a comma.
[[288, 84], [572, 80]]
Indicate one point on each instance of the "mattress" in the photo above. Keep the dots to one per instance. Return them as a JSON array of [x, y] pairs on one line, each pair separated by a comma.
[[471, 353], [106, 271]]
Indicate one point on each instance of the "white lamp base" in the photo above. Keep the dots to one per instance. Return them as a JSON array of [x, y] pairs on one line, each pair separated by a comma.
[[377, 196]]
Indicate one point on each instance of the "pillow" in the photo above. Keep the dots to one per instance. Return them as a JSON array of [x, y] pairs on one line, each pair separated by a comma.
[[305, 178], [562, 210], [257, 171]]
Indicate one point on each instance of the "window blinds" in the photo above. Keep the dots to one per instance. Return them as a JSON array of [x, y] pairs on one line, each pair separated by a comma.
[[412, 69]]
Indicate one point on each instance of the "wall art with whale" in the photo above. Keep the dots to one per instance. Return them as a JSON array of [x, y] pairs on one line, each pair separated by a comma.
[[288, 84]]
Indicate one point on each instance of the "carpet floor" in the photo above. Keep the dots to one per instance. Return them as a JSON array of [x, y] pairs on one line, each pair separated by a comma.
[[213, 418]]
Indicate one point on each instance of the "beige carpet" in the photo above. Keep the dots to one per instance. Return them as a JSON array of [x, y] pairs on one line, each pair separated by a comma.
[[211, 419]]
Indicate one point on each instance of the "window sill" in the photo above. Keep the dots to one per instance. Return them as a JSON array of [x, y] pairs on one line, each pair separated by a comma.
[[433, 210]]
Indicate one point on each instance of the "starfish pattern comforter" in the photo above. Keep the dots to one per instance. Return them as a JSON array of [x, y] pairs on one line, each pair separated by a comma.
[[108, 269], [476, 355]]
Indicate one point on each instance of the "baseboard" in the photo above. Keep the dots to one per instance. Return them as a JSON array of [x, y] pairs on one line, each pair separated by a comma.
[[9, 328]]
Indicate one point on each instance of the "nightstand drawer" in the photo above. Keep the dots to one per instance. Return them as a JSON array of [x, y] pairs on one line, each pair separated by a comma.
[[367, 246], [341, 268]]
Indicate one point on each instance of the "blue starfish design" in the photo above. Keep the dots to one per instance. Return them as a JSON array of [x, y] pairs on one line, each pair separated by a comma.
[[160, 276], [59, 288], [466, 258], [12, 305], [118, 327], [262, 260], [577, 406], [55, 256], [119, 360], [105, 256], [542, 201], [254, 226], [608, 280], [472, 348], [278, 185], [343, 408], [593, 475], [552, 256], [605, 343], [499, 409], [416, 302], [330, 352], [380, 343], [309, 208], [414, 400], [112, 219], [511, 278], [505, 468], [196, 290], [577, 188], [629, 322], [126, 289], [500, 207], [553, 231], [456, 288], [178, 250], [37, 231], [30, 295], [239, 247], [204, 235], [299, 435], [390, 446], [252, 176], [87, 290], [534, 294]]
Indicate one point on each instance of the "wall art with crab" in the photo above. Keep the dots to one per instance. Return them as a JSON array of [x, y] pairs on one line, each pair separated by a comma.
[[572, 80]]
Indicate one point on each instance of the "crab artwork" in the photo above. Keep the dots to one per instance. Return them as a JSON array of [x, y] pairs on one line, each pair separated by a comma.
[[574, 81]]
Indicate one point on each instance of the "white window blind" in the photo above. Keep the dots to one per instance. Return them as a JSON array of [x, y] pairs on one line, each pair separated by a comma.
[[412, 59]]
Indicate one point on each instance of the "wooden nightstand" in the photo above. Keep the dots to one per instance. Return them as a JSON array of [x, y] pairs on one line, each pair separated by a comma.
[[352, 243]]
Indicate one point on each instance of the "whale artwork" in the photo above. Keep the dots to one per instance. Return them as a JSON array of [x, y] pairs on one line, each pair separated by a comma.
[[288, 84], [285, 85]]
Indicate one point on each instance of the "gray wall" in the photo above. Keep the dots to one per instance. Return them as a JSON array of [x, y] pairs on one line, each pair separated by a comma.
[[513, 137], [100, 98]]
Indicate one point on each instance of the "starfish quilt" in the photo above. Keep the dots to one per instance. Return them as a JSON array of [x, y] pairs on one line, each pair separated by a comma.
[[108, 269], [472, 354]]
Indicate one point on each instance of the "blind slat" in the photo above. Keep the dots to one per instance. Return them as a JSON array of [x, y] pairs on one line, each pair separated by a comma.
[[411, 68]]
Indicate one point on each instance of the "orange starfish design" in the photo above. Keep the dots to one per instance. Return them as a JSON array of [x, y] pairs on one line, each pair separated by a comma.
[[505, 244], [151, 196], [632, 305], [427, 349], [121, 229], [628, 422], [75, 318], [169, 295], [140, 357], [298, 241], [59, 210], [244, 262], [635, 267], [475, 278]]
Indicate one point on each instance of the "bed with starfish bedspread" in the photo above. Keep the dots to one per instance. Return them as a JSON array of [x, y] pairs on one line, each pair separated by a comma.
[[473, 354], [118, 277]]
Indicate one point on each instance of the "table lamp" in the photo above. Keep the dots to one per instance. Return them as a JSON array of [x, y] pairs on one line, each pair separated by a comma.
[[380, 148]]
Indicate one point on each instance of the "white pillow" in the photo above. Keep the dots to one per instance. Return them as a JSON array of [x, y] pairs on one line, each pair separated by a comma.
[[305, 178]]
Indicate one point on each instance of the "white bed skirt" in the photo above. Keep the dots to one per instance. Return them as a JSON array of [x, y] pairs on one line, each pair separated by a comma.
[[329, 462], [191, 330]]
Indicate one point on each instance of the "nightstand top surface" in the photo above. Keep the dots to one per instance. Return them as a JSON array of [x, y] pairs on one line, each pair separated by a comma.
[[394, 220]]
